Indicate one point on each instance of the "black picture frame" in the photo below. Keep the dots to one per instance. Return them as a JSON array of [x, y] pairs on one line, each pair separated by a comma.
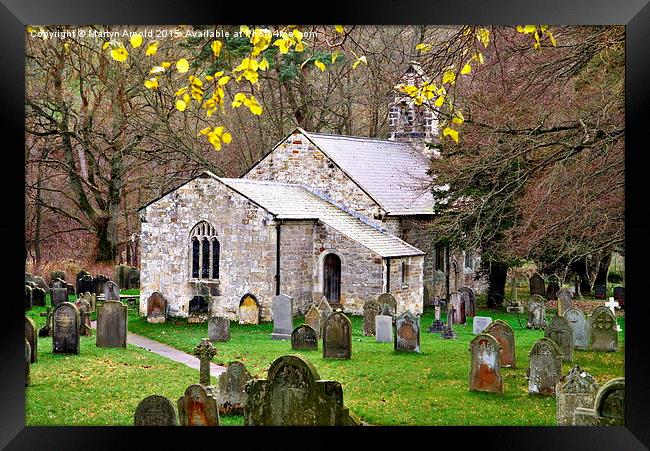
[[635, 14]]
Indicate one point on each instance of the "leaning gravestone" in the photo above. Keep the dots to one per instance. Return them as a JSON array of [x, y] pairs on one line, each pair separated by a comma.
[[231, 393], [196, 408], [249, 310], [485, 373], [505, 336], [608, 408], [536, 284], [600, 291], [111, 291], [545, 367], [337, 337], [198, 309], [294, 395], [312, 319], [536, 312], [65, 329], [111, 325], [384, 329], [156, 308], [218, 328], [579, 327], [469, 298], [564, 301], [304, 337], [325, 310], [576, 389], [370, 309], [155, 410], [553, 287], [28, 297], [282, 309], [480, 323], [560, 331], [38, 297], [32, 337], [388, 304], [602, 334], [28, 353], [459, 307], [407, 332]]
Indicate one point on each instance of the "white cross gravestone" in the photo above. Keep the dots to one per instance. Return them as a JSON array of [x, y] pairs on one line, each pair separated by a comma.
[[612, 304]]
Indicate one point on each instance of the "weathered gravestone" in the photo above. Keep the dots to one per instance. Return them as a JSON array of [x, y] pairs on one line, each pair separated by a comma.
[[38, 297], [57, 275], [205, 352], [600, 291], [469, 299], [46, 330], [560, 331], [388, 304], [249, 310], [196, 408], [545, 367], [58, 293], [91, 298], [337, 336], [111, 325], [407, 332], [156, 308], [111, 291], [480, 323], [553, 287], [98, 284], [28, 353], [579, 327], [28, 297], [564, 301], [459, 308], [282, 309], [32, 338], [619, 295], [608, 408], [370, 309], [505, 336], [485, 373], [231, 394], [155, 410], [536, 284], [536, 312], [437, 325], [304, 337], [312, 319], [602, 334], [325, 310], [198, 309], [37, 280], [384, 329], [294, 395], [576, 389], [218, 328], [448, 333], [85, 283], [85, 309], [65, 329]]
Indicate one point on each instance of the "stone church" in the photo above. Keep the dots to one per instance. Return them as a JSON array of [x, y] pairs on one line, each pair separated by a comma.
[[319, 215]]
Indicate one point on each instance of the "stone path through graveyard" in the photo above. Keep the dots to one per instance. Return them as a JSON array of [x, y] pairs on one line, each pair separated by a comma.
[[167, 351]]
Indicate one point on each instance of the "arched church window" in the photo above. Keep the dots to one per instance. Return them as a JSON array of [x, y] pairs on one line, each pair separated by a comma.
[[205, 251]]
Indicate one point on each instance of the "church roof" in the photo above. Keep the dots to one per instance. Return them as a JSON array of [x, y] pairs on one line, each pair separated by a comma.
[[289, 201]]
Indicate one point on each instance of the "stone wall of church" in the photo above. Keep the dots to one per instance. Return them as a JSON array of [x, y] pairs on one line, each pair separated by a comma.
[[296, 262], [406, 283]]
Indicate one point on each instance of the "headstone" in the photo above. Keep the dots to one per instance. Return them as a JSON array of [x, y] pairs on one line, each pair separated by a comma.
[[294, 395], [98, 284], [40, 283], [46, 330], [198, 309], [28, 297], [218, 329], [156, 308], [111, 291], [505, 336], [576, 389], [388, 304], [58, 295], [65, 329], [536, 312], [449, 333], [608, 408], [249, 310], [28, 354], [579, 327], [553, 287], [85, 283], [384, 329], [205, 352], [325, 310], [282, 309], [231, 393], [602, 334], [459, 307], [536, 283], [600, 291], [469, 298], [32, 338], [85, 309], [619, 295], [91, 298], [196, 408], [564, 301], [437, 325], [304, 337], [560, 331], [38, 297], [155, 410], [57, 275], [337, 336], [312, 319], [480, 323], [111, 325], [485, 373], [370, 309], [545, 367], [407, 332]]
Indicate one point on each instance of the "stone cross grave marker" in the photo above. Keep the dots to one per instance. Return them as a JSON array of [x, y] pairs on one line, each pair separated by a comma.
[[370, 309], [384, 329], [608, 408], [536, 284], [449, 333], [564, 301], [65, 329], [612, 304], [325, 310], [282, 309], [38, 297], [32, 337], [602, 335], [231, 393], [545, 367], [536, 312], [337, 336], [576, 389], [560, 331], [480, 323], [579, 327], [469, 298], [218, 328], [156, 308], [111, 291], [155, 410], [553, 287], [205, 352], [312, 319], [196, 408], [459, 307], [304, 337], [249, 310], [600, 291], [388, 304], [437, 325], [112, 329], [505, 336], [407, 332], [485, 373]]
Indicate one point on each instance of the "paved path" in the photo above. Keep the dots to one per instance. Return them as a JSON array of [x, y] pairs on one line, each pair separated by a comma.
[[169, 352]]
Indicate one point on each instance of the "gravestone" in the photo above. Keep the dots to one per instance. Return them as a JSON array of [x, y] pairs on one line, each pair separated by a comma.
[[282, 309], [294, 395], [388, 304], [370, 309], [560, 331], [480, 323], [407, 332], [576, 389], [249, 310], [28, 297], [600, 291], [57, 275], [337, 336], [325, 311], [469, 298], [111, 291], [46, 330], [459, 307], [85, 283], [384, 329], [545, 367], [536, 284], [231, 393], [312, 319], [304, 337], [65, 329], [205, 352], [111, 325], [28, 353], [32, 338], [449, 333], [40, 283], [536, 312], [553, 287], [91, 298], [156, 308], [84, 307], [608, 408], [505, 336], [38, 297], [602, 330], [485, 373], [218, 328], [198, 309], [155, 410], [196, 408], [619, 295], [564, 301], [58, 295], [579, 327], [98, 284], [437, 325]]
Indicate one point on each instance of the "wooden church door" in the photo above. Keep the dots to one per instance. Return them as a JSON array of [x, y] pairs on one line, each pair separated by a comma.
[[332, 278]]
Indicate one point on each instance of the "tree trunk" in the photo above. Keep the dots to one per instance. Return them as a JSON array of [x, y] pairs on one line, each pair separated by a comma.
[[581, 268], [496, 283], [603, 269]]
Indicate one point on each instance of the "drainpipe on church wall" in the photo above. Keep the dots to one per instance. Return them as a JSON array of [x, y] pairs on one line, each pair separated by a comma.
[[277, 262], [387, 275]]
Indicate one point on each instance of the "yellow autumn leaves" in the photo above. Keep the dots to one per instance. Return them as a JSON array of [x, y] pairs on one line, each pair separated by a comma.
[[537, 32]]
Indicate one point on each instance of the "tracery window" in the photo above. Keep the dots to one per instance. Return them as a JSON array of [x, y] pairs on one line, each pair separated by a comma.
[[204, 251]]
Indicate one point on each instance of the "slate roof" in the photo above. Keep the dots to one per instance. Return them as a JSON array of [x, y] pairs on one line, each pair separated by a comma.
[[289, 201]]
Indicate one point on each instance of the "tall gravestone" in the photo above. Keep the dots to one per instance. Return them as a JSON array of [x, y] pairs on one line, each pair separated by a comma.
[[65, 329], [388, 304], [536, 284], [111, 291], [564, 301], [155, 410], [553, 287], [111, 325], [545, 367], [325, 310], [337, 336], [480, 323], [156, 308], [384, 329], [579, 327], [485, 373], [28, 297], [576, 389], [602, 334], [505, 336], [370, 309], [231, 394], [600, 291], [218, 328], [282, 309], [536, 312], [459, 308], [249, 310], [469, 298], [560, 331], [407, 332], [32, 337], [38, 297], [196, 408], [312, 319], [608, 408], [304, 337]]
